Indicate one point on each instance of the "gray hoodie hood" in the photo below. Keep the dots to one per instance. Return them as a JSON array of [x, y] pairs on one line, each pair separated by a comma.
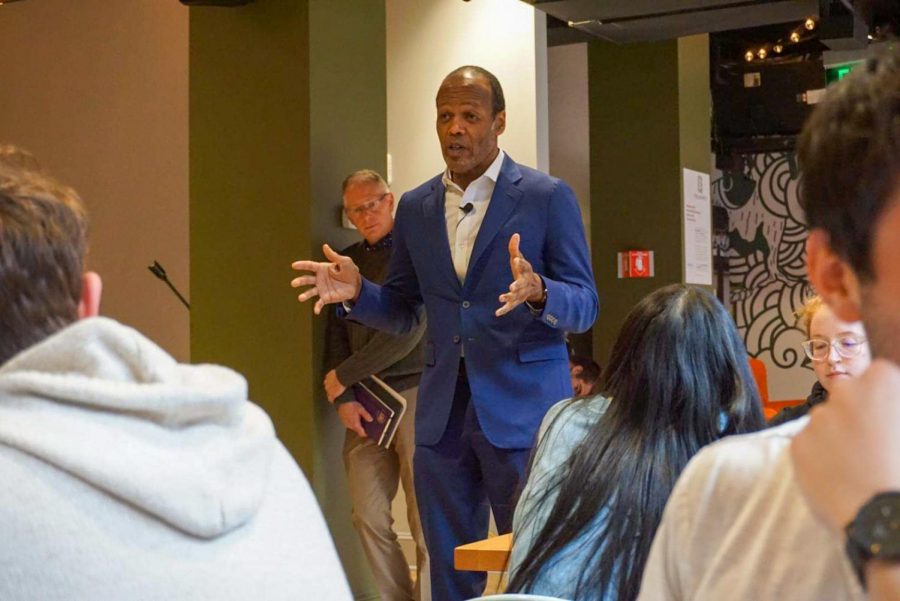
[[103, 403]]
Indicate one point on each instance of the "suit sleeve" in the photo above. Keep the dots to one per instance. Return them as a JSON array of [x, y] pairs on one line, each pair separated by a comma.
[[394, 307], [572, 302]]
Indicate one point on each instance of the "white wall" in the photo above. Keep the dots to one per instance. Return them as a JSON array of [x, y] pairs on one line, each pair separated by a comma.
[[570, 147], [98, 91], [428, 39]]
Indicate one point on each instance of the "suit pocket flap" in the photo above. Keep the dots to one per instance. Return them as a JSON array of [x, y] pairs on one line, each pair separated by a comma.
[[541, 351]]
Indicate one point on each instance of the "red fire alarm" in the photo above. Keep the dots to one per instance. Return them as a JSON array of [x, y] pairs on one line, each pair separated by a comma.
[[636, 264]]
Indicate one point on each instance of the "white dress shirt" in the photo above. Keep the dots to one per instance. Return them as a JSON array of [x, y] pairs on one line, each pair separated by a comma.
[[462, 227]]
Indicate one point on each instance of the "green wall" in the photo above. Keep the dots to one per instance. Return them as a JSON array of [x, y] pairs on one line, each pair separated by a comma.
[[649, 118], [250, 205], [348, 131], [286, 98]]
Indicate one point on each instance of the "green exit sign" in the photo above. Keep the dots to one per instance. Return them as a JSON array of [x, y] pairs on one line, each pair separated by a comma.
[[839, 72]]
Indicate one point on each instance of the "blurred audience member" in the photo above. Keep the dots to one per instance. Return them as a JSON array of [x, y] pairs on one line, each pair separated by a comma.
[[130, 476], [585, 372], [847, 459], [737, 525], [678, 379], [837, 349]]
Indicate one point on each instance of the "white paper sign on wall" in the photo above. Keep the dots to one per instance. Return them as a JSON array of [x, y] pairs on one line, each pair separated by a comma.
[[697, 230]]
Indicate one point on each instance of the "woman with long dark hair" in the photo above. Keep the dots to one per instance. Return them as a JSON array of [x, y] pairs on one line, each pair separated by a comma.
[[678, 379]]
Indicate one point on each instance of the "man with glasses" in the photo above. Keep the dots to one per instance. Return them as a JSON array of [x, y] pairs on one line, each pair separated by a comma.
[[354, 352], [837, 349]]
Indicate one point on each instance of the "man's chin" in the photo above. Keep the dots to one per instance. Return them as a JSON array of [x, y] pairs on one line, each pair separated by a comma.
[[457, 166]]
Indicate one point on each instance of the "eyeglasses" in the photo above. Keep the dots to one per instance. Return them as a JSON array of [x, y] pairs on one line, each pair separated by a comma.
[[367, 207], [847, 346]]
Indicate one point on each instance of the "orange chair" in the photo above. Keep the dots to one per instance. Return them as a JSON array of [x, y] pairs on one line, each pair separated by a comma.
[[758, 368], [770, 408]]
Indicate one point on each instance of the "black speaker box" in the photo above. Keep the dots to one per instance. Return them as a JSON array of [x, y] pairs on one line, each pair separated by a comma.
[[764, 99]]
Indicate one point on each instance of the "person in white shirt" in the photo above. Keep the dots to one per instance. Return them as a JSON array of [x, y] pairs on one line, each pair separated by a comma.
[[738, 525]]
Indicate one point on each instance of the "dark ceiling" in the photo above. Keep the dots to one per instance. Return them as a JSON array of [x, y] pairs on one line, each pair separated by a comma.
[[647, 20]]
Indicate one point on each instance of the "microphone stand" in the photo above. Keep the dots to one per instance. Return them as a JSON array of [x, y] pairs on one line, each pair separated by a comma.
[[157, 270]]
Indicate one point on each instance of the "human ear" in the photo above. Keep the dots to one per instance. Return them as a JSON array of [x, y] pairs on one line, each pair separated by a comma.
[[832, 277], [91, 290], [499, 124]]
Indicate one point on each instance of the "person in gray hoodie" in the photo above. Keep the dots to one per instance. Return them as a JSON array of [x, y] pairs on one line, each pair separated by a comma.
[[126, 474]]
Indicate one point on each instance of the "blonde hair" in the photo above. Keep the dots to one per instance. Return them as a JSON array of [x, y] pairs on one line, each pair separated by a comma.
[[363, 176], [809, 308]]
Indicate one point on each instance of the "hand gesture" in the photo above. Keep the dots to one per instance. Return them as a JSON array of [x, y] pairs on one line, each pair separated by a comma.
[[526, 285], [333, 282], [352, 414], [850, 450], [333, 386]]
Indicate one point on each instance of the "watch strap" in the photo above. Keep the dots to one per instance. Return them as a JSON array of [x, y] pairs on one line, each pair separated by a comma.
[[874, 533]]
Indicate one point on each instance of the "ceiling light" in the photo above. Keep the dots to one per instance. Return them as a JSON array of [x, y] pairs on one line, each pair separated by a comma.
[[749, 56], [809, 24], [778, 48], [795, 37], [762, 54]]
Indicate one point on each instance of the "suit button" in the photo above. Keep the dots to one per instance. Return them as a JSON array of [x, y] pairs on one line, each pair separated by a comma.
[[456, 340], [466, 304]]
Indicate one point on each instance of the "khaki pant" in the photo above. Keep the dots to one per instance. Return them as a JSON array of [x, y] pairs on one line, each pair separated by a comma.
[[374, 474]]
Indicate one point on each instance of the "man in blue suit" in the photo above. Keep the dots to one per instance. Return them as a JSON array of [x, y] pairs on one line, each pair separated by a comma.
[[495, 357]]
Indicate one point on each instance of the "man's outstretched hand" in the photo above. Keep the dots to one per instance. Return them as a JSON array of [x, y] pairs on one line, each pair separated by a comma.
[[334, 281], [526, 285]]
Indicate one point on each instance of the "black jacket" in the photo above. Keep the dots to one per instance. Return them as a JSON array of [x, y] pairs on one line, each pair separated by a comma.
[[816, 396]]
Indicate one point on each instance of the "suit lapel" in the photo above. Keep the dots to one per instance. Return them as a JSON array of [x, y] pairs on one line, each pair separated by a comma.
[[503, 201], [436, 229]]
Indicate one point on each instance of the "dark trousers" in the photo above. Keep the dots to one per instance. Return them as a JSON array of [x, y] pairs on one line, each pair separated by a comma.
[[458, 481]]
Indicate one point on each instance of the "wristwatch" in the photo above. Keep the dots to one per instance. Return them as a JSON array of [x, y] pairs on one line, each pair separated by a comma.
[[874, 533]]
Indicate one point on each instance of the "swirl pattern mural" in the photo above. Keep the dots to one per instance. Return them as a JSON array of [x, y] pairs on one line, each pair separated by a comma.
[[765, 250]]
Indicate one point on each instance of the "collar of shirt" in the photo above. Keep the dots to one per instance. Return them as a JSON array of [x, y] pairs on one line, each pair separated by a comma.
[[463, 226], [491, 173], [386, 242]]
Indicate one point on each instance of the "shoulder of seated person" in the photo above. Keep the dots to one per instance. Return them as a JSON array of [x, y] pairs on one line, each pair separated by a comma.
[[741, 461], [578, 406]]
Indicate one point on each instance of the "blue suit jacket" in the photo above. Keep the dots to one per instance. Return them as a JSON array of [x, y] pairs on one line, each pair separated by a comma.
[[516, 364]]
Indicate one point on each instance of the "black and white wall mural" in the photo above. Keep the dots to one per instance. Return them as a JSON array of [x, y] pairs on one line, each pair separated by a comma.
[[763, 255]]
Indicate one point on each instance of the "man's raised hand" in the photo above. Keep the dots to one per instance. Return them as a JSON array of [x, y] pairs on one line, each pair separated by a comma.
[[526, 285], [334, 281]]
